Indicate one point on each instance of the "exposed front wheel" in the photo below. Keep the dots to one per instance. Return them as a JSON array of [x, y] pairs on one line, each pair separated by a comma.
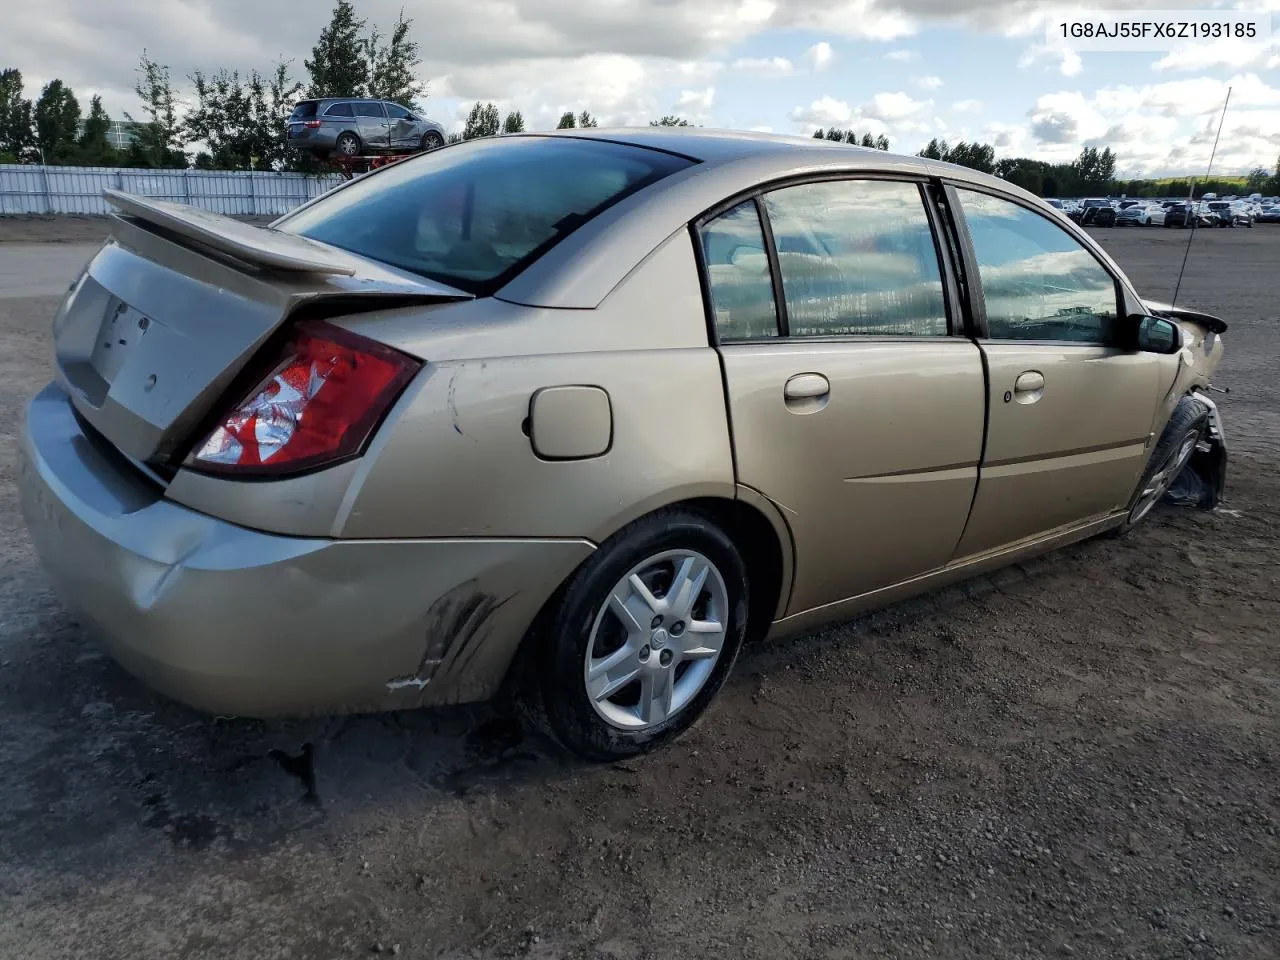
[[1173, 452], [645, 636], [431, 140]]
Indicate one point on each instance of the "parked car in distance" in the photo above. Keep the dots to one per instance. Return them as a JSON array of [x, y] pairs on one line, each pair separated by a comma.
[[354, 127], [1140, 215], [1270, 214], [1098, 216], [1184, 214], [577, 413], [1231, 213]]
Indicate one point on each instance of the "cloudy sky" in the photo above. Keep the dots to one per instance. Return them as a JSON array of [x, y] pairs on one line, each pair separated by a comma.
[[911, 69]]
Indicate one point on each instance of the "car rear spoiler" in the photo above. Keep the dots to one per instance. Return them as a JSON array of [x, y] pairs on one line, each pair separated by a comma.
[[244, 241]]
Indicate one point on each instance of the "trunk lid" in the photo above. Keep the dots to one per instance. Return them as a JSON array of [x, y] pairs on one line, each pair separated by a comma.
[[178, 301]]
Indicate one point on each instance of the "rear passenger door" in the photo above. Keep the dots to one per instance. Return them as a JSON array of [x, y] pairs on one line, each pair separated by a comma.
[[853, 408], [372, 120], [1070, 407]]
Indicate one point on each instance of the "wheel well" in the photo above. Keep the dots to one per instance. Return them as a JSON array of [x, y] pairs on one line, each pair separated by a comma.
[[750, 532], [756, 540]]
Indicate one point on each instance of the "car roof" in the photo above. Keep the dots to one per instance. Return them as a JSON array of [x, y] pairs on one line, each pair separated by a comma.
[[714, 147], [580, 270]]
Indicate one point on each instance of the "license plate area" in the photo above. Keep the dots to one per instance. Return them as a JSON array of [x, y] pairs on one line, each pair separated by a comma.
[[118, 336]]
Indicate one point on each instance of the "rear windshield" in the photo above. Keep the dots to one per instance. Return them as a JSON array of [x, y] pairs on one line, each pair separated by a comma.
[[305, 110], [475, 214]]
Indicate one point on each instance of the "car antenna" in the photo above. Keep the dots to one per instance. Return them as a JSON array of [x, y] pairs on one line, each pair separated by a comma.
[[1191, 200]]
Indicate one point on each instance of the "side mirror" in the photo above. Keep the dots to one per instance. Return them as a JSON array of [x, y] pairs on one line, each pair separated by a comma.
[[1158, 335]]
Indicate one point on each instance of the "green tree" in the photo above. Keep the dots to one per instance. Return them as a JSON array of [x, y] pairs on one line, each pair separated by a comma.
[[1259, 178], [159, 138], [567, 122], [222, 118], [935, 149], [15, 117], [391, 65], [95, 149], [271, 110], [670, 120], [514, 122], [586, 120], [57, 122], [339, 65], [483, 121], [975, 156]]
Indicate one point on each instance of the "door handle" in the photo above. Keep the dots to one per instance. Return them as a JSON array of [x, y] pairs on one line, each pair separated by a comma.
[[1028, 388], [806, 386], [806, 393]]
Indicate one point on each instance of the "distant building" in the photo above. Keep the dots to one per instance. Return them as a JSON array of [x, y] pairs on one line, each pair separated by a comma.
[[120, 134]]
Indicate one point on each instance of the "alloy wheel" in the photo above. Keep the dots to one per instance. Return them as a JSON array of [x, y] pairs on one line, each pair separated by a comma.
[[656, 639], [1160, 481]]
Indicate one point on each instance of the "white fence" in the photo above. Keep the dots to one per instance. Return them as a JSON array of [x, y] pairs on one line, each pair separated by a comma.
[[34, 189]]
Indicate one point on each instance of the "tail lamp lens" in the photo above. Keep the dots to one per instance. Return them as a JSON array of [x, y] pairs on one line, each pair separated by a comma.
[[318, 405]]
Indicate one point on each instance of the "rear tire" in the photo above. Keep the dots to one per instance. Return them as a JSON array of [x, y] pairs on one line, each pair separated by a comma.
[[1170, 457], [631, 659], [348, 144]]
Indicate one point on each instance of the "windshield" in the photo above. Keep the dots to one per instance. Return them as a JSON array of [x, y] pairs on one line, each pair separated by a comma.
[[474, 214]]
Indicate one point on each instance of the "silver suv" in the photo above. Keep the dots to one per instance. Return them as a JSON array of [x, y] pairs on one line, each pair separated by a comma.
[[355, 126]]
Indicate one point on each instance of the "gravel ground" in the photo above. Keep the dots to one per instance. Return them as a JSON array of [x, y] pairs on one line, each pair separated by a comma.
[[1075, 756]]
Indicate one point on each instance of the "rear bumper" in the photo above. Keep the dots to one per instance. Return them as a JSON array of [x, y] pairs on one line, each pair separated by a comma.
[[237, 621]]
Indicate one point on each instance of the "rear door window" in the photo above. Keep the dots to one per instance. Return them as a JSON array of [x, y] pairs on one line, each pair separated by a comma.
[[339, 110], [475, 214], [857, 257], [368, 109]]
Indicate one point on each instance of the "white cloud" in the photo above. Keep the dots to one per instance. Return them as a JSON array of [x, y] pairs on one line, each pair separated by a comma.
[[695, 105], [902, 56], [967, 106], [1068, 61], [1219, 54], [928, 83], [895, 106], [765, 66], [894, 114], [1148, 126], [819, 55]]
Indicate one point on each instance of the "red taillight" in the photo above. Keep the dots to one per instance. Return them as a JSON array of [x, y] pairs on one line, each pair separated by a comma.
[[313, 124], [317, 406]]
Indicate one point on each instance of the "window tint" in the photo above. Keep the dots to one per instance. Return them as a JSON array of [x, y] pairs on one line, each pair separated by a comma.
[[367, 109], [474, 214], [338, 110], [304, 110], [1039, 283], [397, 112], [857, 257], [738, 275]]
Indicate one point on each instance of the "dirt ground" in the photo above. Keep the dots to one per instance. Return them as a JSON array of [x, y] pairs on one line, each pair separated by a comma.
[[1074, 757]]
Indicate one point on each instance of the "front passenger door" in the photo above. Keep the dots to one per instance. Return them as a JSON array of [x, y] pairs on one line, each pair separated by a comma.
[[1070, 409], [403, 128]]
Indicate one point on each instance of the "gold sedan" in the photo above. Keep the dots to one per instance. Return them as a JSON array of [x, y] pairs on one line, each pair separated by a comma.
[[578, 413]]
